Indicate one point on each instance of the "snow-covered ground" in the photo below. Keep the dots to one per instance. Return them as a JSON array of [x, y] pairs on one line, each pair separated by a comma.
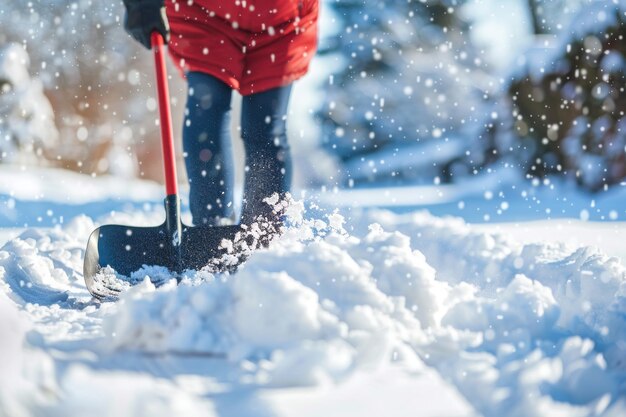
[[358, 311]]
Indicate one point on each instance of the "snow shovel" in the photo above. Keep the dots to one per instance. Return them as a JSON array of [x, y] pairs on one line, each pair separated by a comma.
[[174, 245]]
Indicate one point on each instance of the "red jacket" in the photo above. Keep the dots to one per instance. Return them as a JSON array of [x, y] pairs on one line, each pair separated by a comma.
[[252, 45]]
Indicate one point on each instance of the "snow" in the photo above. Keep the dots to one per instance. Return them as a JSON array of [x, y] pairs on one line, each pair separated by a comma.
[[421, 158], [352, 312], [491, 296], [590, 21], [26, 117], [46, 197], [12, 329]]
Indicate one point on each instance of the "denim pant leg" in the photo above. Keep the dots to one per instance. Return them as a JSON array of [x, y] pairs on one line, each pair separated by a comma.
[[268, 158], [208, 149]]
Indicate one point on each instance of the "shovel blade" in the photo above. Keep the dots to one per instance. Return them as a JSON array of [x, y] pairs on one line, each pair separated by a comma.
[[202, 245], [127, 249]]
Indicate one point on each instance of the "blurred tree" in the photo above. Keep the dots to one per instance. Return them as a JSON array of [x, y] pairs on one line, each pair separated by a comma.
[[550, 16], [408, 81], [535, 15], [94, 80], [27, 130], [568, 102]]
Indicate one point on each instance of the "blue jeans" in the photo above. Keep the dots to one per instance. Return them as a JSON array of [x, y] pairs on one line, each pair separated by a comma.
[[208, 149]]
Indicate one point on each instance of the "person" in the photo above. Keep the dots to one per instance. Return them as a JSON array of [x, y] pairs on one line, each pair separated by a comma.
[[256, 47]]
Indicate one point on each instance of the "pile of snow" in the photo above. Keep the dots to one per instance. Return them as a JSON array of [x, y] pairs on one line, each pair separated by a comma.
[[519, 329], [307, 310], [41, 266], [548, 320]]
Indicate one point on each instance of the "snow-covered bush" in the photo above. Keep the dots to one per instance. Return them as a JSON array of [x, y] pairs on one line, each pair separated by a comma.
[[408, 82], [95, 77], [568, 101], [27, 129]]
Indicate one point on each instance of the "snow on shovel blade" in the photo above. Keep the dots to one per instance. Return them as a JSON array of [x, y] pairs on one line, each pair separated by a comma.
[[127, 249]]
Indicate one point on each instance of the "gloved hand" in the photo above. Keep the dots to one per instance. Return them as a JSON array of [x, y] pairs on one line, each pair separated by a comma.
[[144, 17]]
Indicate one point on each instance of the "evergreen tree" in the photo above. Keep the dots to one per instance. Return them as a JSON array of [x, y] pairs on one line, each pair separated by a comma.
[[568, 102], [408, 76]]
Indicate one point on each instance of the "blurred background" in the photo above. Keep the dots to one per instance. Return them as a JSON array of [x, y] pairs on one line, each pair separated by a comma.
[[406, 92]]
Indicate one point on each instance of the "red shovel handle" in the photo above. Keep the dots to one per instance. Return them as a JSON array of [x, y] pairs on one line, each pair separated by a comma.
[[167, 137]]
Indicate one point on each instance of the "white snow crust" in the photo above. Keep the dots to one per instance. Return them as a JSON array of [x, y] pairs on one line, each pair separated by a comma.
[[518, 329]]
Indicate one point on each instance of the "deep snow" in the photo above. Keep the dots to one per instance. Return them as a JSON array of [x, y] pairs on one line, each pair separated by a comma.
[[357, 312]]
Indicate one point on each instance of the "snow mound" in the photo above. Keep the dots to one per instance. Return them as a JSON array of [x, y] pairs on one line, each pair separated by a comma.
[[306, 311], [549, 320], [40, 266], [520, 329]]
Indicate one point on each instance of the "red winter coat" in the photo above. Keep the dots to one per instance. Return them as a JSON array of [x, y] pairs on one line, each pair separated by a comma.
[[251, 45]]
